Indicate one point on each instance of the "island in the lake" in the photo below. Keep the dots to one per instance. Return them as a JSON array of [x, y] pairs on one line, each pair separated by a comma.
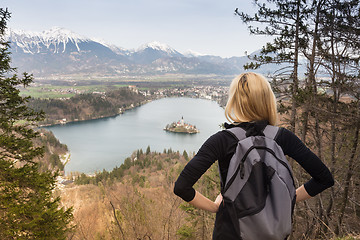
[[181, 127]]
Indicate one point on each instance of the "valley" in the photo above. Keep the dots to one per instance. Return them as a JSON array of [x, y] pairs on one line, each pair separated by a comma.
[[93, 136]]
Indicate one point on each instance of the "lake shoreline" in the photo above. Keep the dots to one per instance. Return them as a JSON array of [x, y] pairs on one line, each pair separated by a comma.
[[125, 110], [101, 117]]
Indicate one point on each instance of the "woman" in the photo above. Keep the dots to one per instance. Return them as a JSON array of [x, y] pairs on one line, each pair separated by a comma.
[[251, 106]]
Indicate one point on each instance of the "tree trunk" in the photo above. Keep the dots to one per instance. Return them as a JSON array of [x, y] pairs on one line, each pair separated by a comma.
[[333, 125], [349, 174], [295, 84], [311, 82]]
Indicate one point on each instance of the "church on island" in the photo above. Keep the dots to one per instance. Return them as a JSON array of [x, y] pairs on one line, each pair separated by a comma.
[[181, 127]]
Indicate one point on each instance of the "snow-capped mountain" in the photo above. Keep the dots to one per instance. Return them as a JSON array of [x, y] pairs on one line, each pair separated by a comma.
[[114, 48], [55, 40], [152, 51], [60, 51], [191, 53], [158, 47]]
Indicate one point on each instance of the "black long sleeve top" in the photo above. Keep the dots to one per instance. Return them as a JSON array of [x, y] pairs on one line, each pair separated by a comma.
[[221, 146]]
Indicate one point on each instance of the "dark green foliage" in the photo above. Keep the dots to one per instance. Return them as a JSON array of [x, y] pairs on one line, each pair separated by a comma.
[[151, 160], [55, 161], [127, 163], [50, 139], [286, 22], [52, 150], [159, 166], [147, 150], [186, 232], [186, 155], [116, 174], [139, 179], [82, 179], [27, 208], [87, 106]]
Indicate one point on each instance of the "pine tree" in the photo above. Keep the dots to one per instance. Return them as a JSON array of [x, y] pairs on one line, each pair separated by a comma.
[[148, 150], [285, 21], [28, 209], [339, 50], [186, 156], [328, 99]]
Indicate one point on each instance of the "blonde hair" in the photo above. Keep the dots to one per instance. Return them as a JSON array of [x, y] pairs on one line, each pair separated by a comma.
[[251, 99]]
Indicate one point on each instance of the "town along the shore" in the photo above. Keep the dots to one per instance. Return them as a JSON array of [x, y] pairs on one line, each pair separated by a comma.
[[181, 127]]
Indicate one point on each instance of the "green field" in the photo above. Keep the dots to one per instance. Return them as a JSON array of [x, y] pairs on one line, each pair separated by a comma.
[[39, 93], [50, 91], [66, 88]]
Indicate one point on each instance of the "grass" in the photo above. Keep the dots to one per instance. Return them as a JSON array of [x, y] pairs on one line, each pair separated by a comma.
[[45, 94], [46, 89], [49, 91], [348, 238]]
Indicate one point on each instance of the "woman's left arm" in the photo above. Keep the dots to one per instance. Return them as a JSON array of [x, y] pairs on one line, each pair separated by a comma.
[[194, 169], [301, 194]]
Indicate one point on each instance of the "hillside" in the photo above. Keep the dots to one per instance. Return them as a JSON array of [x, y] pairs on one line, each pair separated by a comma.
[[136, 201], [55, 153], [140, 193], [87, 105]]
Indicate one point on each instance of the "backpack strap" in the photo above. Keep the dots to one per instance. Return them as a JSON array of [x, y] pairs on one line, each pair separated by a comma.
[[271, 131], [238, 132]]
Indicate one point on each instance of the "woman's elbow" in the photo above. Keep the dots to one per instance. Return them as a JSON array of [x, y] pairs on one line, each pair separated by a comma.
[[184, 191], [331, 181], [177, 189], [327, 179]]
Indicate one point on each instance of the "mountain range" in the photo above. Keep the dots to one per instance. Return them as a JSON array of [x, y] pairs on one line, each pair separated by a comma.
[[60, 52]]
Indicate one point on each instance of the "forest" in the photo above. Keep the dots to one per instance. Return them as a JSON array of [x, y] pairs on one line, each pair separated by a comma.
[[322, 107], [87, 105], [54, 152]]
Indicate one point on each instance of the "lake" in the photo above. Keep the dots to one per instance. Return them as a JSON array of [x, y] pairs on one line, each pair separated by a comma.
[[104, 143]]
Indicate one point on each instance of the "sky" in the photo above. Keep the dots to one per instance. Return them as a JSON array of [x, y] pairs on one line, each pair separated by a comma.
[[203, 26]]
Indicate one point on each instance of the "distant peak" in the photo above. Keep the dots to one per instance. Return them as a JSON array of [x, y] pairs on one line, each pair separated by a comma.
[[157, 46], [52, 33], [20, 32], [191, 53], [58, 29], [54, 36], [59, 32]]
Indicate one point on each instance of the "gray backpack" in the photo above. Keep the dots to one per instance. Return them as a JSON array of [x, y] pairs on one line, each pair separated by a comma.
[[259, 187]]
